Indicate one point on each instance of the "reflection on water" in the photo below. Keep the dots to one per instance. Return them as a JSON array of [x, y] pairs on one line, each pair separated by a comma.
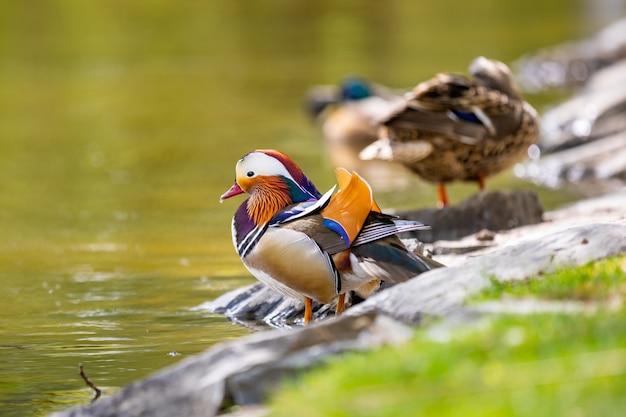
[[120, 123], [120, 321]]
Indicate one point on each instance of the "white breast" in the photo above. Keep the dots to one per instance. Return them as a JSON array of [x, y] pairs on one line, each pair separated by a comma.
[[291, 263]]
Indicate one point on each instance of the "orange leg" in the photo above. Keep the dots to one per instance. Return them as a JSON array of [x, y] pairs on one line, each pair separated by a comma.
[[481, 182], [308, 310], [442, 196], [341, 304]]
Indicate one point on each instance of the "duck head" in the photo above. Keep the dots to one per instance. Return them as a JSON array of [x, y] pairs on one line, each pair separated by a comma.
[[321, 98], [354, 89], [273, 181], [494, 74]]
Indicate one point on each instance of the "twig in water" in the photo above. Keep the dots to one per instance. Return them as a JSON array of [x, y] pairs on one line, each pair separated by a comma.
[[89, 383]]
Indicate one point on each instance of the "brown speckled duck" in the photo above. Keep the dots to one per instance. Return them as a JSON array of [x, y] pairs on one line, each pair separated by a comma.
[[453, 128]]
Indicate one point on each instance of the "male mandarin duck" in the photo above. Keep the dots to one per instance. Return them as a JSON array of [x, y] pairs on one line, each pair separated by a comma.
[[317, 247], [347, 115], [455, 128]]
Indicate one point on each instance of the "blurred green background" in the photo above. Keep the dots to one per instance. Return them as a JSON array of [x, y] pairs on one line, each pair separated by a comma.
[[120, 124]]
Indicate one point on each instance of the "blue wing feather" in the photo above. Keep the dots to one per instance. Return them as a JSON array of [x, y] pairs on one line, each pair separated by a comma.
[[336, 227], [468, 116]]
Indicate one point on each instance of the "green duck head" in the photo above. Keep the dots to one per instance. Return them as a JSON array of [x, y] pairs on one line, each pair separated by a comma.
[[355, 88]]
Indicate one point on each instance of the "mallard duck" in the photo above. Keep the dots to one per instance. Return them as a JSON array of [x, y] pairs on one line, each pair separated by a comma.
[[455, 128], [311, 246], [347, 115]]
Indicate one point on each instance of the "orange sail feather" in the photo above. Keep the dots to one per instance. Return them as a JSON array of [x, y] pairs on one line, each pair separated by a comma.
[[348, 209]]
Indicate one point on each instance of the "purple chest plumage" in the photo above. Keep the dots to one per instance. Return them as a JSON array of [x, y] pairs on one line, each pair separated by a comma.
[[246, 233], [243, 224]]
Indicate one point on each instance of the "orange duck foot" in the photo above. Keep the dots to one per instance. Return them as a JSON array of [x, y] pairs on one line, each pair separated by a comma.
[[442, 196], [308, 310], [341, 304], [481, 182]]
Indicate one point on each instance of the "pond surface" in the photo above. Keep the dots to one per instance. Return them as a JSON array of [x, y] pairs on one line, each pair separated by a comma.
[[120, 124]]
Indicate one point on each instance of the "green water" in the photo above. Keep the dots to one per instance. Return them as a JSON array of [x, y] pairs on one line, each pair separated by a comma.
[[120, 123]]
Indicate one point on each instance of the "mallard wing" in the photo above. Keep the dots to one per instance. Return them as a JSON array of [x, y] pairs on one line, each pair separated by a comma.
[[457, 108], [447, 124]]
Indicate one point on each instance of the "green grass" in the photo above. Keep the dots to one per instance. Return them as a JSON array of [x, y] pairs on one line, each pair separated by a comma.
[[532, 365], [596, 281]]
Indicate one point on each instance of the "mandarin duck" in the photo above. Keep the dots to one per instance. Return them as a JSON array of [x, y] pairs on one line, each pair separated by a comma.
[[453, 128], [311, 246], [347, 115]]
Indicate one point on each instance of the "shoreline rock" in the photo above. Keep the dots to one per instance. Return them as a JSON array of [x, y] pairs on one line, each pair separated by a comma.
[[490, 210]]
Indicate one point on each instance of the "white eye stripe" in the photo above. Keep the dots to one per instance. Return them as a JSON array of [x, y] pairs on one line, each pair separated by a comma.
[[258, 163]]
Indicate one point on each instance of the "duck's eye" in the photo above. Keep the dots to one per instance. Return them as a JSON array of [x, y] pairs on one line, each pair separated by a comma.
[[250, 174]]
